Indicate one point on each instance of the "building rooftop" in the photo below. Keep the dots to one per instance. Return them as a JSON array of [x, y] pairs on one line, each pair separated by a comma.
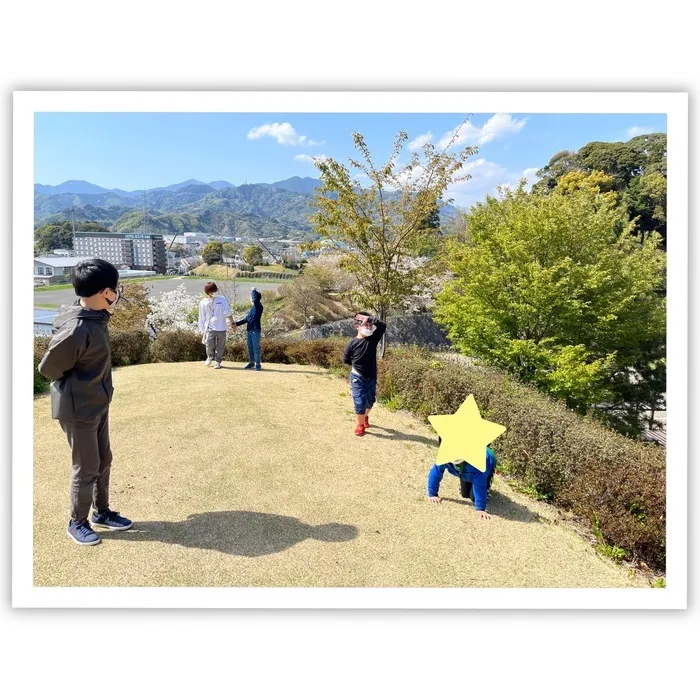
[[59, 260]]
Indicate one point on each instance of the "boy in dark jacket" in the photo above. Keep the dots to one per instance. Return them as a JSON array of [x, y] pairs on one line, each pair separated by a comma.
[[78, 362], [253, 334], [361, 354], [473, 483]]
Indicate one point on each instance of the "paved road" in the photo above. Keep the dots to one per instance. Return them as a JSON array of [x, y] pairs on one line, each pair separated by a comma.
[[194, 286]]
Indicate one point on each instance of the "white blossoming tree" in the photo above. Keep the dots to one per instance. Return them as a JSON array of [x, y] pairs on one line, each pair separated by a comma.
[[174, 310]]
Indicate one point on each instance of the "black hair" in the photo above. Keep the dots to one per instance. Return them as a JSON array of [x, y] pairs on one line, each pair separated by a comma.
[[94, 275], [362, 313]]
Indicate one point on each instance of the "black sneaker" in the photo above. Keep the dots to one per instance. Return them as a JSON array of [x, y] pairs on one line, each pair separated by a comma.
[[111, 520], [81, 533], [250, 365]]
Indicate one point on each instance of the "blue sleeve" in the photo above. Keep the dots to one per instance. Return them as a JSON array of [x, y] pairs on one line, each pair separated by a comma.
[[480, 482], [249, 317], [434, 479]]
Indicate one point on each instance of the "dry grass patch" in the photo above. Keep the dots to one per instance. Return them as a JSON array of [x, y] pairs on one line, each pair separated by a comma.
[[239, 478]]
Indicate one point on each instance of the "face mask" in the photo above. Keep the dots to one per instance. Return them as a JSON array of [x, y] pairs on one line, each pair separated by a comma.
[[114, 302], [366, 332]]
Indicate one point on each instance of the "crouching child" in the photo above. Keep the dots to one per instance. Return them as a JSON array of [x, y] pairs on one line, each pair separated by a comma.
[[473, 483]]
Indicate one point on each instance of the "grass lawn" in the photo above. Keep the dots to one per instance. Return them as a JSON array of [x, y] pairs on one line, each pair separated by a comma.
[[53, 287], [287, 495], [56, 287]]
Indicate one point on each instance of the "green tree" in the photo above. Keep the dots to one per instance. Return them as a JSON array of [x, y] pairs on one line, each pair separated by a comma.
[[253, 255], [559, 165], [556, 289], [379, 228], [227, 250], [212, 252], [638, 171], [60, 235]]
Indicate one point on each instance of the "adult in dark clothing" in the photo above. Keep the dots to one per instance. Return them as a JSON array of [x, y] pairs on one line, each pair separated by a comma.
[[253, 334], [361, 354]]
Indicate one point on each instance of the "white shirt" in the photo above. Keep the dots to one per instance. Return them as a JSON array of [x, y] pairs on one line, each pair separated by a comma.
[[213, 313]]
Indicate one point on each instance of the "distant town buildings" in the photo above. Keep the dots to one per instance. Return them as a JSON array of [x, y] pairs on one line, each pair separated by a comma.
[[53, 269], [136, 251]]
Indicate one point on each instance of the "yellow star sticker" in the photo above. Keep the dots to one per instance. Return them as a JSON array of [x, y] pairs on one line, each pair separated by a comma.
[[465, 435]]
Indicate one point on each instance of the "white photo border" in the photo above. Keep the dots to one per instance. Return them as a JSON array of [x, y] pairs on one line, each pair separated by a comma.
[[673, 104]]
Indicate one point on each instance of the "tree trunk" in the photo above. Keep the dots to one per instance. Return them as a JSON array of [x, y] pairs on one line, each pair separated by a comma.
[[381, 312]]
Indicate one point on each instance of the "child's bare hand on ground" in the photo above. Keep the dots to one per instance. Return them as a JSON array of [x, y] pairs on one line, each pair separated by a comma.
[[483, 515], [434, 499]]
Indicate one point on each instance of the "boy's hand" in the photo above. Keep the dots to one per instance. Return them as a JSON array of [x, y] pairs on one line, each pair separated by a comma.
[[434, 499], [483, 515]]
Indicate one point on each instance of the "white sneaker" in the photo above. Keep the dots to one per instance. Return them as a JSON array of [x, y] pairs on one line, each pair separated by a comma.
[[217, 365], [207, 362]]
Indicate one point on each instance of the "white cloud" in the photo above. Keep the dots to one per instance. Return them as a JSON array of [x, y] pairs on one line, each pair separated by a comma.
[[498, 126], [420, 141], [284, 133], [304, 158], [638, 131], [530, 174], [486, 177]]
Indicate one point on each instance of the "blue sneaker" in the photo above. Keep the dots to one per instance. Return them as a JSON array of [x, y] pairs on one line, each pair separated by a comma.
[[250, 365], [111, 520], [258, 368], [81, 532]]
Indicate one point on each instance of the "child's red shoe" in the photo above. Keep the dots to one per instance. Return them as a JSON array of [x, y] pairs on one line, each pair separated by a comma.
[[360, 430], [366, 423]]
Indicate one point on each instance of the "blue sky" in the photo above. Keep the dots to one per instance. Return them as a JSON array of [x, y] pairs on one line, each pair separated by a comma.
[[142, 150]]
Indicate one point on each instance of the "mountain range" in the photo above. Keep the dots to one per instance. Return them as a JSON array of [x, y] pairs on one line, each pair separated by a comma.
[[276, 210]]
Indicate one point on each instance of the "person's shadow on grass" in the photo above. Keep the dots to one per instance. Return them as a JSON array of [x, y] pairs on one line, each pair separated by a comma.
[[500, 505], [391, 434], [238, 532]]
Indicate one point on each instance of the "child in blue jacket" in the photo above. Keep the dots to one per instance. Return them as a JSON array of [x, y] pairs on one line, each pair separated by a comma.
[[473, 484]]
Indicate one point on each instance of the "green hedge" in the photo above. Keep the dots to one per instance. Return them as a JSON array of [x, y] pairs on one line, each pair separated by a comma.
[[616, 484]]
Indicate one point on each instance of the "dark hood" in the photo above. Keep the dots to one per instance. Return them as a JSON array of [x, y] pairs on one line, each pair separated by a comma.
[[74, 311], [255, 296]]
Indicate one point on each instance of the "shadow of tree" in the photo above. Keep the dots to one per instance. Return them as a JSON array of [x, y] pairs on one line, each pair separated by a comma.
[[238, 532]]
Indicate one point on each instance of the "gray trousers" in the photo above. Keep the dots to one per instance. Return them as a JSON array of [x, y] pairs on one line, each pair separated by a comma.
[[216, 344], [92, 460]]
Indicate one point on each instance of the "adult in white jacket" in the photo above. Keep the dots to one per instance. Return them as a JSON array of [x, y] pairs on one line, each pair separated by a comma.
[[214, 309]]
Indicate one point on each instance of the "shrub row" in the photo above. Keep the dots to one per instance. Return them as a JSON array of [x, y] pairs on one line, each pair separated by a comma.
[[136, 347], [616, 484], [258, 274]]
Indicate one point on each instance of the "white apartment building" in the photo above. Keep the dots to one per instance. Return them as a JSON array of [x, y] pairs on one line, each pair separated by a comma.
[[136, 251]]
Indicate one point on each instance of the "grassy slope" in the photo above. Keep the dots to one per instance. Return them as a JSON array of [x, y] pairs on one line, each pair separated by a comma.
[[280, 501]]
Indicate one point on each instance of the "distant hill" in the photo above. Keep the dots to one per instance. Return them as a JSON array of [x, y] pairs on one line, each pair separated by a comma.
[[275, 210]]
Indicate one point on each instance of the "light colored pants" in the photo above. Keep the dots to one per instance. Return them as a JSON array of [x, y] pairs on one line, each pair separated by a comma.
[[216, 343]]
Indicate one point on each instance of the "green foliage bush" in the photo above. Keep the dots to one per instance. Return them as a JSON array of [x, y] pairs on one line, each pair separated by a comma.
[[130, 347], [571, 461], [177, 346], [40, 383]]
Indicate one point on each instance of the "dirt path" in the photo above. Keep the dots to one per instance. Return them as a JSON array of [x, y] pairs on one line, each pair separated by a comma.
[[239, 478]]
